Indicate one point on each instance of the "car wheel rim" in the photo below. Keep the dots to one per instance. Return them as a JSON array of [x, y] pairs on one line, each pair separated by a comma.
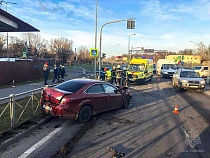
[[85, 114]]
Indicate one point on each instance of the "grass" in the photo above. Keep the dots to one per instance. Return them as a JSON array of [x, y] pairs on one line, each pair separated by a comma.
[[24, 111]]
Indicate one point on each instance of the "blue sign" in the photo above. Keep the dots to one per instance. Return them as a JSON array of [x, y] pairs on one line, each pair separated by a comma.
[[94, 52]]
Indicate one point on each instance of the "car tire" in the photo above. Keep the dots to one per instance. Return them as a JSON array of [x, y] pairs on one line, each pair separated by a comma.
[[150, 79], [85, 114], [127, 102], [201, 90]]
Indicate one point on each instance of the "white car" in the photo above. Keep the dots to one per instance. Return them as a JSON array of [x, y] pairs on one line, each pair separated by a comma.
[[184, 79], [201, 70]]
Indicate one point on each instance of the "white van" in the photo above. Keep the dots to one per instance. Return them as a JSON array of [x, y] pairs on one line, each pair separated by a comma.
[[201, 70], [166, 67]]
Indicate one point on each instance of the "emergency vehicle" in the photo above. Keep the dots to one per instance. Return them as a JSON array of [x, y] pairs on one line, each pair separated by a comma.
[[140, 70]]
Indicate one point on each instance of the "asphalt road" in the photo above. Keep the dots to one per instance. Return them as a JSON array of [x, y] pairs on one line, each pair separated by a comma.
[[147, 129]]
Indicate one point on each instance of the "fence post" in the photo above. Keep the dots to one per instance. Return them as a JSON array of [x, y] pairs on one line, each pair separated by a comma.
[[32, 101], [12, 110]]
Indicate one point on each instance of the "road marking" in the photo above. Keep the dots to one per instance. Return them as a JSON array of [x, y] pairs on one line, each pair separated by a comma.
[[38, 144]]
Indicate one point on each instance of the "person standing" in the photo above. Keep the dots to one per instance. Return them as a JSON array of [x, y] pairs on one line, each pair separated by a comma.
[[107, 74], [46, 71], [56, 73], [119, 75], [113, 75], [62, 71]]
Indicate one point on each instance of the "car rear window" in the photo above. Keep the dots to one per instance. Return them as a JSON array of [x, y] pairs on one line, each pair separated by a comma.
[[71, 86]]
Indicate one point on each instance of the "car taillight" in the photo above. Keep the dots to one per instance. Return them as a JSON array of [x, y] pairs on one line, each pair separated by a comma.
[[66, 100]]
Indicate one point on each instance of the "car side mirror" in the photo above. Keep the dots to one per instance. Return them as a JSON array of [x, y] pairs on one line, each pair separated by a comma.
[[161, 67]]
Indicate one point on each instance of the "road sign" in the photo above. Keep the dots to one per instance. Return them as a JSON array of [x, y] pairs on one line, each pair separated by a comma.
[[94, 52]]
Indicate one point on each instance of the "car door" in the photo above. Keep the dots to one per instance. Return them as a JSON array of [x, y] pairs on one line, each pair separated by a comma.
[[97, 96], [113, 97]]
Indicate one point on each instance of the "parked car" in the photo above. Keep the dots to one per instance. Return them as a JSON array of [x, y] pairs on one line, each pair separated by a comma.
[[184, 79], [201, 70], [79, 99]]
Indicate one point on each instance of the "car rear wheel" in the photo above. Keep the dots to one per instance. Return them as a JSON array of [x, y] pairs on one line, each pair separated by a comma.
[[85, 114]]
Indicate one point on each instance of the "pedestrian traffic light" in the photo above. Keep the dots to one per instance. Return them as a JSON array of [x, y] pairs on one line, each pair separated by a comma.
[[103, 55]]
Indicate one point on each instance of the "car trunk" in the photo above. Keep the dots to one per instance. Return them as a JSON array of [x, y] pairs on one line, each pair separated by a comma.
[[54, 96]]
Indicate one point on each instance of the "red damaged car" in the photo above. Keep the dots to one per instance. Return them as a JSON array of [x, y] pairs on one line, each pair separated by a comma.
[[79, 99]]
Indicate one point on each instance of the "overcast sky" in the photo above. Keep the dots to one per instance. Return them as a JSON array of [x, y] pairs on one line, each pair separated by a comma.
[[160, 24]]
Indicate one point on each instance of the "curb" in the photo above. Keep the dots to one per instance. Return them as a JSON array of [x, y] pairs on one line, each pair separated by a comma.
[[16, 138]]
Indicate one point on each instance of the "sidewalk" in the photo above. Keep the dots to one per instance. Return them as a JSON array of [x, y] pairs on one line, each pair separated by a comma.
[[5, 92]]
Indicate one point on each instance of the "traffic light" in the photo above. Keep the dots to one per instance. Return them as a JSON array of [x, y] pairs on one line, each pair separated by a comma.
[[130, 24], [29, 49], [103, 55]]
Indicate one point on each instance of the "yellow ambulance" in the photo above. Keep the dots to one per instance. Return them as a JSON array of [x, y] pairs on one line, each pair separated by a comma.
[[140, 70]]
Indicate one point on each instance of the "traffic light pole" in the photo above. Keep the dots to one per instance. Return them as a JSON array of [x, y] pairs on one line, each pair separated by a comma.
[[101, 42]]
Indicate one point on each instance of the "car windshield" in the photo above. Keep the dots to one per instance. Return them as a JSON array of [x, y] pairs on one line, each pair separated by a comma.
[[197, 68], [189, 74], [136, 67], [70, 86], [169, 66]]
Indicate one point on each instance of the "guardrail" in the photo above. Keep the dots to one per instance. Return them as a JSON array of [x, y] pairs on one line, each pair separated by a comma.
[[18, 108]]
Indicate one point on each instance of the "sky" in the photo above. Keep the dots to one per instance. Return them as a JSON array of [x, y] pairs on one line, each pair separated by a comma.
[[159, 24]]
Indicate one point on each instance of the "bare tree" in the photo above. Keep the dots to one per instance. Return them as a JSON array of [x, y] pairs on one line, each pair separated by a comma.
[[2, 43], [62, 47], [16, 47]]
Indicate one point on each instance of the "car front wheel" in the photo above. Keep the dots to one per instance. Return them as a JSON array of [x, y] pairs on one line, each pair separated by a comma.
[[85, 114], [127, 101]]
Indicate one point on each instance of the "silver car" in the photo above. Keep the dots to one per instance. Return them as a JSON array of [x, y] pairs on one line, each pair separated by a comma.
[[184, 79]]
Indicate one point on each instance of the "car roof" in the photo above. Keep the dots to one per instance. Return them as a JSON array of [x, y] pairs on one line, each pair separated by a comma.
[[85, 80]]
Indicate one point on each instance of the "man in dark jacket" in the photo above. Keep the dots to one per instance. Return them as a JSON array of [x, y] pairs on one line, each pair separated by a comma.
[[62, 71], [56, 73], [46, 71]]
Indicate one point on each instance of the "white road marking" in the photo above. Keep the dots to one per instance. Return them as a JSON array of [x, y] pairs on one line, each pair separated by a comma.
[[38, 144]]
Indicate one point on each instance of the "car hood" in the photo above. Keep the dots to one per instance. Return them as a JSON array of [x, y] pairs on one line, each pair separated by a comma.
[[54, 95], [192, 79]]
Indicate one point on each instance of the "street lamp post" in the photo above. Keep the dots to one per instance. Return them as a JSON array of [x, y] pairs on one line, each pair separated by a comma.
[[129, 53], [101, 41], [96, 36], [7, 32], [194, 46]]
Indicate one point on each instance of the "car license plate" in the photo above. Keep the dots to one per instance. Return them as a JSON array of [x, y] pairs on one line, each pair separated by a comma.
[[47, 107]]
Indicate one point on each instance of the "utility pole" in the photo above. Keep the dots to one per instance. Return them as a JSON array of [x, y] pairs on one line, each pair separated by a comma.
[[96, 37]]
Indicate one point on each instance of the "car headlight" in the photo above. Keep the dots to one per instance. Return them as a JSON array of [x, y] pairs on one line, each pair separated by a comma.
[[164, 72], [202, 82], [184, 81]]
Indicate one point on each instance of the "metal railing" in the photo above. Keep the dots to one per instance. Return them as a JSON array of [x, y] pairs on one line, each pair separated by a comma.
[[18, 108]]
